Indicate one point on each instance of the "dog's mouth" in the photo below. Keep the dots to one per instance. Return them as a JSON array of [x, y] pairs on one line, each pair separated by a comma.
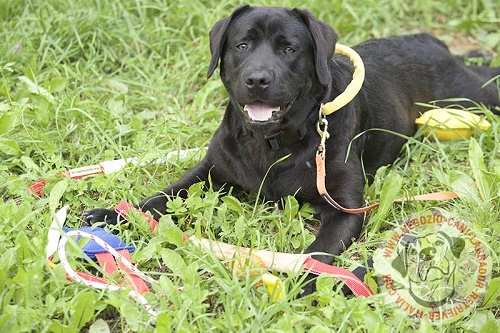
[[261, 112]]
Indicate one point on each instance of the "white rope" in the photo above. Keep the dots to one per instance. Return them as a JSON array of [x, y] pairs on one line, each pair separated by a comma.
[[94, 284]]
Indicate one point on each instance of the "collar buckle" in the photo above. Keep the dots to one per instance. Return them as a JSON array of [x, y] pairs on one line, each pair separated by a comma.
[[274, 140]]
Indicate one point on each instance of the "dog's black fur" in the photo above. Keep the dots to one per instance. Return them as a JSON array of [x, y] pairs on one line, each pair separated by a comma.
[[285, 58]]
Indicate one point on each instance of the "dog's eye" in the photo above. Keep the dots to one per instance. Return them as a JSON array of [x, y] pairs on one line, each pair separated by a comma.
[[242, 46], [289, 50]]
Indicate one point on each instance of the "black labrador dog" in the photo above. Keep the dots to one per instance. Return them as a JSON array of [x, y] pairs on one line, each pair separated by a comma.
[[278, 66]]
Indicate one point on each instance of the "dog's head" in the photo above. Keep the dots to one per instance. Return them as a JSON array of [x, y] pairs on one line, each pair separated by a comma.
[[274, 62], [429, 263], [429, 257]]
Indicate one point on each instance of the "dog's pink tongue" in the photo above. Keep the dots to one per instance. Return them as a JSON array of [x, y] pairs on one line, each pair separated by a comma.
[[259, 111]]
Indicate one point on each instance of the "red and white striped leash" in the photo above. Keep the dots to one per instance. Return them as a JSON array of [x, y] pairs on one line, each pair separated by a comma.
[[308, 264], [103, 284], [132, 274]]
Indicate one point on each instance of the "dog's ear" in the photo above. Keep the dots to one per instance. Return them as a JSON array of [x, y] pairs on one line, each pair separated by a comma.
[[399, 263], [218, 37], [457, 244], [324, 38]]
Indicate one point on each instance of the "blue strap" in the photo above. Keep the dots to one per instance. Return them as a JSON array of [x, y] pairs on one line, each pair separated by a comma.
[[92, 248]]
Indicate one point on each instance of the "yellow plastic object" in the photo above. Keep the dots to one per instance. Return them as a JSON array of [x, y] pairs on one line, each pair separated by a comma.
[[244, 261], [274, 287], [450, 124]]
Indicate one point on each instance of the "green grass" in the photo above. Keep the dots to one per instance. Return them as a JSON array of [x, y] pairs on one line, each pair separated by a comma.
[[87, 81]]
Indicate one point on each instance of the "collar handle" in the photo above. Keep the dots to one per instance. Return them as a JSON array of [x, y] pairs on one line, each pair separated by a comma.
[[354, 87]]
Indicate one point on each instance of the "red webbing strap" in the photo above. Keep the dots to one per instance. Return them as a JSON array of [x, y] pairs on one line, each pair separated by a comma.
[[108, 264], [83, 275], [320, 184], [38, 187], [358, 287], [122, 208], [88, 277]]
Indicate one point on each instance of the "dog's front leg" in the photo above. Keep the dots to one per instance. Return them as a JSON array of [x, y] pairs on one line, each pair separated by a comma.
[[338, 230], [344, 181], [337, 233], [157, 203]]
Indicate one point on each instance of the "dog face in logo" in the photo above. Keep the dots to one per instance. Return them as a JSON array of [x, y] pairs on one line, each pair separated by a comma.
[[429, 262]]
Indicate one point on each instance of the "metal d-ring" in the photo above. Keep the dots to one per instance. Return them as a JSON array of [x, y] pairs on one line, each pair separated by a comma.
[[322, 128]]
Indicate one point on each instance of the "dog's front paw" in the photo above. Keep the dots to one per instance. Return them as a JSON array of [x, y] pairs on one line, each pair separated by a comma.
[[100, 215], [310, 286]]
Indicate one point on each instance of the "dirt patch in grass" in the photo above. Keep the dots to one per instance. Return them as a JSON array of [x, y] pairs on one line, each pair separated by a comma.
[[459, 43]]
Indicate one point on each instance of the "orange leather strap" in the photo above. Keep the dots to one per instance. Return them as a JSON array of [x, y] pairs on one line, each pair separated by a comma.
[[320, 183]]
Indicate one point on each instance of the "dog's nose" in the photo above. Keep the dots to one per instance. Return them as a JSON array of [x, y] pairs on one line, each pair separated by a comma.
[[427, 253], [258, 80]]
